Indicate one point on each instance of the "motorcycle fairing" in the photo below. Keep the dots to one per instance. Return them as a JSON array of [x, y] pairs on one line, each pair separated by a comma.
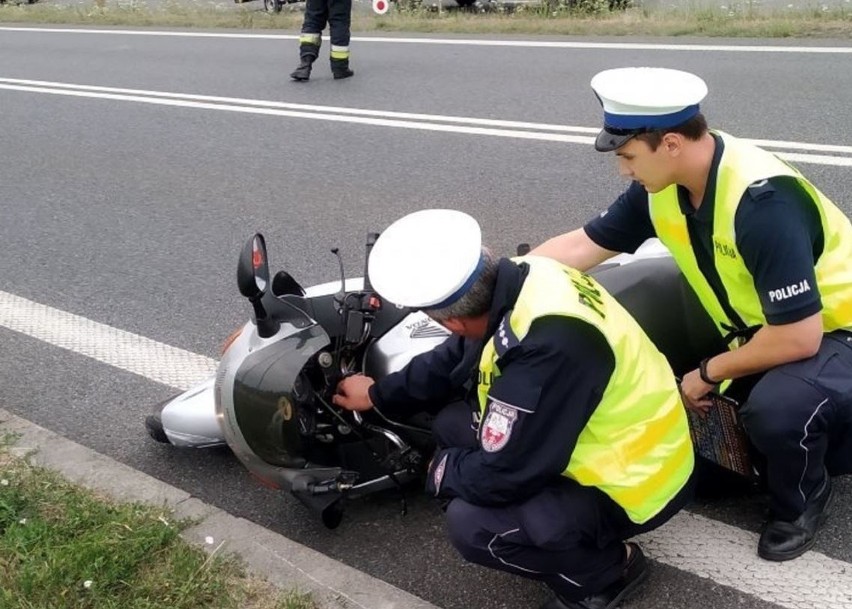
[[657, 295], [189, 418], [255, 404], [411, 335]]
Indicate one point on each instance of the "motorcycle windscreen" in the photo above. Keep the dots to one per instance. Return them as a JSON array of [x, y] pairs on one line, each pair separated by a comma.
[[265, 409]]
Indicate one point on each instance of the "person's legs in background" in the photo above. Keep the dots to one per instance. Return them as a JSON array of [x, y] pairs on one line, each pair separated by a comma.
[[339, 21], [310, 40]]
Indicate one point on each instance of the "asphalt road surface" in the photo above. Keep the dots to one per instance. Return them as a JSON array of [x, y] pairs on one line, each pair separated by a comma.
[[128, 185]]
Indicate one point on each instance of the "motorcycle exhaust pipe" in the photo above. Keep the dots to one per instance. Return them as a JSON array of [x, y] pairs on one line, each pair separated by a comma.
[[324, 497]]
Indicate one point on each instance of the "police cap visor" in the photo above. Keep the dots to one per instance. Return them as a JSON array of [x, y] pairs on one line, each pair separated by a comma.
[[612, 139]]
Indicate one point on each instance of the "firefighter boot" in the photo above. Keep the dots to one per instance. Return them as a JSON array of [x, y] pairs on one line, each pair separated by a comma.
[[308, 53], [340, 68]]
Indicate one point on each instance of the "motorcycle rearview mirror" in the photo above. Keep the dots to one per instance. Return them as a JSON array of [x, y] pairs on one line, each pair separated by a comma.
[[253, 268], [253, 281]]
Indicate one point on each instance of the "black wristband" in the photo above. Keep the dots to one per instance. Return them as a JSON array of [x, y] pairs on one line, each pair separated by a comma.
[[702, 372]]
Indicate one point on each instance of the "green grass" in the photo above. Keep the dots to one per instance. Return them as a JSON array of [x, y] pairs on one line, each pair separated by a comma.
[[739, 19], [63, 547]]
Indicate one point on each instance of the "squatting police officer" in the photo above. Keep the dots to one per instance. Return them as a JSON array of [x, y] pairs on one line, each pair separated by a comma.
[[582, 439], [767, 254]]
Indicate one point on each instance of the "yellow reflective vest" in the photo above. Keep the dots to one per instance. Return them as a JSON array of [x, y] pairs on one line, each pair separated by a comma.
[[636, 446], [740, 166]]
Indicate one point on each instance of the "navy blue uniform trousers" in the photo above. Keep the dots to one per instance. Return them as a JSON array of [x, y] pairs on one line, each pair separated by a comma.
[[799, 417], [566, 535]]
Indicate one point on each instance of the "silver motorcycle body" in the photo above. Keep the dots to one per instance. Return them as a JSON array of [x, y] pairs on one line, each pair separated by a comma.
[[189, 419], [270, 399]]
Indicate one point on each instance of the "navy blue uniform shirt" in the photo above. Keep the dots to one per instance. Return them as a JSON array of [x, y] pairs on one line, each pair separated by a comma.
[[549, 385], [778, 232]]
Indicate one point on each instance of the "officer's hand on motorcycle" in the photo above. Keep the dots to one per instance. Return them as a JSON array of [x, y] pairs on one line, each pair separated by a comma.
[[353, 393], [694, 392]]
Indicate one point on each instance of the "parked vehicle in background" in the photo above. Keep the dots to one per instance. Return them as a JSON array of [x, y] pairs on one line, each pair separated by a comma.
[[270, 6]]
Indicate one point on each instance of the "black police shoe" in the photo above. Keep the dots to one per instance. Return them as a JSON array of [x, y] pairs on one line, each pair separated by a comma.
[[635, 572], [782, 540]]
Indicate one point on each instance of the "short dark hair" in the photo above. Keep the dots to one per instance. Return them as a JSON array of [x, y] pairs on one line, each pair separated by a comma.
[[693, 129], [477, 300]]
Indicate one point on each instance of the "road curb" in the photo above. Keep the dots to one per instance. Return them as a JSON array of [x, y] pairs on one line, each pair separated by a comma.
[[281, 561]]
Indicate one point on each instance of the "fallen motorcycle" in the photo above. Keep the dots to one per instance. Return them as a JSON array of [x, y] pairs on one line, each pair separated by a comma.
[[270, 399]]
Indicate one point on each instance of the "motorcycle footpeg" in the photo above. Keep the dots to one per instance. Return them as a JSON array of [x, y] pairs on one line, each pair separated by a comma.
[[405, 460], [311, 486]]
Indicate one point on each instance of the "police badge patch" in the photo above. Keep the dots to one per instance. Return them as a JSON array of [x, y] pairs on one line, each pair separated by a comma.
[[497, 427]]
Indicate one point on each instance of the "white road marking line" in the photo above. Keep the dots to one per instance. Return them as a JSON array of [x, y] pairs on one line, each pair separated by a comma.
[[800, 146], [692, 543], [315, 116], [541, 44], [727, 555], [400, 120], [816, 159], [143, 356], [308, 107]]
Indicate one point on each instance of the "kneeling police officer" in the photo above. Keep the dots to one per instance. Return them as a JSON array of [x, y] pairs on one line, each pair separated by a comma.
[[578, 438]]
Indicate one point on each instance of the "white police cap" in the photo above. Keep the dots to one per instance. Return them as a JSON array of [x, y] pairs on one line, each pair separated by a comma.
[[636, 100], [427, 259]]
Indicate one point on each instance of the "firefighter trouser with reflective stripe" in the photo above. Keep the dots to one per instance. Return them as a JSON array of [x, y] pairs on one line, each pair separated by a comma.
[[338, 15]]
